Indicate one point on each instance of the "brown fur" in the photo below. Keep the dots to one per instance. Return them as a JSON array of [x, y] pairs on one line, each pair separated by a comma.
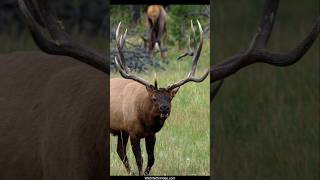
[[157, 21], [53, 118], [136, 114]]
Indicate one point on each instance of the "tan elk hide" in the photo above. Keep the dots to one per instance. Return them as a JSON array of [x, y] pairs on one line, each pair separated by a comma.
[[157, 29]]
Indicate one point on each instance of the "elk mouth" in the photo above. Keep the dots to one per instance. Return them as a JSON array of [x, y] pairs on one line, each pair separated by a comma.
[[164, 115]]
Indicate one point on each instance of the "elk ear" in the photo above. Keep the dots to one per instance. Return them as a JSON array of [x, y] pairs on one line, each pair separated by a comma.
[[150, 88], [174, 92]]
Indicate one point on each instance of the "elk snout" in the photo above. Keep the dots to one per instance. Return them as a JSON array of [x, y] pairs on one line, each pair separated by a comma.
[[165, 111]]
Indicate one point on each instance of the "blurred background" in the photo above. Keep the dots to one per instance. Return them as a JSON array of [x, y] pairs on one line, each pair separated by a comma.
[[183, 144], [84, 20], [266, 118]]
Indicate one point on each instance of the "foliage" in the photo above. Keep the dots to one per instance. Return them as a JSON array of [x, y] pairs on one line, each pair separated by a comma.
[[178, 25], [179, 22]]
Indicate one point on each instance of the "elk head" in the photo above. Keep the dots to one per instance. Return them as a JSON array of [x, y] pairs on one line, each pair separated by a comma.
[[160, 98]]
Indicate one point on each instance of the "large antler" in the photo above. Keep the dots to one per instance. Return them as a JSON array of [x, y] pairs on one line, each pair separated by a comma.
[[60, 42], [196, 54], [120, 61], [257, 52]]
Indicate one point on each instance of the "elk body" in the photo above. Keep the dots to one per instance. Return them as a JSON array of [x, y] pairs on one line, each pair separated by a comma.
[[156, 33], [139, 109], [137, 116], [53, 118]]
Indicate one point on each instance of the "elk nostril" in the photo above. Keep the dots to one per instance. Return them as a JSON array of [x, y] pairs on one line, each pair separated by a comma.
[[161, 108], [167, 108], [164, 109]]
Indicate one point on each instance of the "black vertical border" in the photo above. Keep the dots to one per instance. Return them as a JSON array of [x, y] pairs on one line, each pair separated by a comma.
[[107, 21], [212, 123]]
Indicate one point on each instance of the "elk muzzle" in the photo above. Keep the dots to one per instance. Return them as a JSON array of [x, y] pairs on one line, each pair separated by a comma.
[[164, 111]]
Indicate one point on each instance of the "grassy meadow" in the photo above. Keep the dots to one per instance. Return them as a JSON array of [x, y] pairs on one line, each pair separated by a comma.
[[265, 119], [183, 144]]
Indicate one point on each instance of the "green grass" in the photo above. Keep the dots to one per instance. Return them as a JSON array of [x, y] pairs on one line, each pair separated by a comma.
[[183, 144]]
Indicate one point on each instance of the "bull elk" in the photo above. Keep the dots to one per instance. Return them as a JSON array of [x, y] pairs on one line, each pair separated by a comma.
[[139, 109], [156, 33]]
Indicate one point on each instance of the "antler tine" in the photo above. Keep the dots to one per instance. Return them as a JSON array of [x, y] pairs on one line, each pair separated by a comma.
[[266, 23], [193, 31], [120, 61], [215, 88], [123, 38], [120, 40], [189, 44], [190, 51], [196, 55]]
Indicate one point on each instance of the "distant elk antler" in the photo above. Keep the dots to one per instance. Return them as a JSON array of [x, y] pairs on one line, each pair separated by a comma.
[[257, 52], [192, 37]]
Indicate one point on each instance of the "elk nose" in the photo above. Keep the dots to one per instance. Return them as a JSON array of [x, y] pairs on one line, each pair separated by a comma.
[[164, 109]]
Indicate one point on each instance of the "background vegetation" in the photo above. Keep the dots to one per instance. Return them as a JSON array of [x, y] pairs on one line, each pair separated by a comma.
[[266, 119], [84, 20], [178, 25]]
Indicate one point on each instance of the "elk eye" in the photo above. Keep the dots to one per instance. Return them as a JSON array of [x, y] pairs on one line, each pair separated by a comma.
[[154, 99]]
